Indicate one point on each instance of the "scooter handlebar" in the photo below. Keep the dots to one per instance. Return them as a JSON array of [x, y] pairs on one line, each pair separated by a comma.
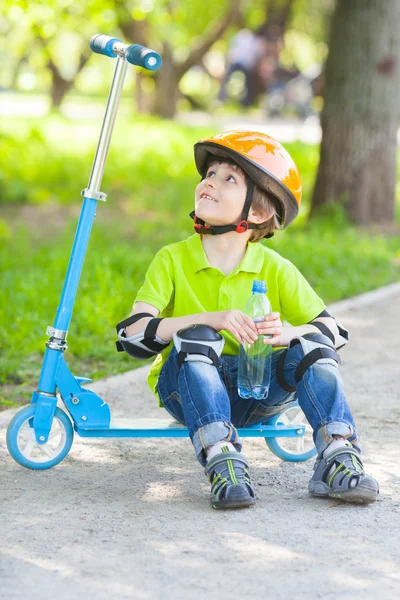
[[143, 57], [135, 54], [103, 44]]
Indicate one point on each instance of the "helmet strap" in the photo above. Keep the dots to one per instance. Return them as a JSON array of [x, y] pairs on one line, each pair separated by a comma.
[[244, 224]]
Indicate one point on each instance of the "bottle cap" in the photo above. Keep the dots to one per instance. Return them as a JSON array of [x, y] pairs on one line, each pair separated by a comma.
[[259, 287]]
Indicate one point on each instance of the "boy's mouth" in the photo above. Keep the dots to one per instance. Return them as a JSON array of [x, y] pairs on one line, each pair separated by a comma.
[[207, 197]]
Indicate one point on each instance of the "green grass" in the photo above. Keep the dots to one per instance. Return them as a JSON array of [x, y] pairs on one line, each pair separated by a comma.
[[150, 180]]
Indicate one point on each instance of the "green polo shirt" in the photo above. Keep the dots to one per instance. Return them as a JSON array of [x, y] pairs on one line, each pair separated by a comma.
[[180, 282]]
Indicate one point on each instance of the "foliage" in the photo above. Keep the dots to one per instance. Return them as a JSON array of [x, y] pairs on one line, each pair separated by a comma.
[[42, 35], [40, 169]]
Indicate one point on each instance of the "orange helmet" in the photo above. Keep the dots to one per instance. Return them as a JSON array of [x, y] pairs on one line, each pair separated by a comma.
[[265, 161]]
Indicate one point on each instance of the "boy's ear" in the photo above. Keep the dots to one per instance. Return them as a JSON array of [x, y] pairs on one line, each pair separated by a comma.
[[258, 217]]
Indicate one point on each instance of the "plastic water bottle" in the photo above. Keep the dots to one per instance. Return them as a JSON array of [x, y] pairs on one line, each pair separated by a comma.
[[254, 369]]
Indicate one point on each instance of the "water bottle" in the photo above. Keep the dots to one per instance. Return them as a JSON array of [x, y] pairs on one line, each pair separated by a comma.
[[254, 369]]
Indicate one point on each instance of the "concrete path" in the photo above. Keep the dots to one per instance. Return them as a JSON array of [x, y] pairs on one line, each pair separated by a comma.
[[123, 519]]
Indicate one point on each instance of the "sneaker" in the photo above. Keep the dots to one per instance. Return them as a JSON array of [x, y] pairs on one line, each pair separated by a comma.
[[230, 481], [347, 481]]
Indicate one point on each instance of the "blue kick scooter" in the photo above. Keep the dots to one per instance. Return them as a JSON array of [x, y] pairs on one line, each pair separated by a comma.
[[40, 435]]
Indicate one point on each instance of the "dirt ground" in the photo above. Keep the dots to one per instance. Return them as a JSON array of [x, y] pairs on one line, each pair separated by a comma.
[[123, 519]]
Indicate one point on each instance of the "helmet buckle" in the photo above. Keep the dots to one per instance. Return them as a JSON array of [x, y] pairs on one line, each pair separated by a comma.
[[242, 227], [201, 228]]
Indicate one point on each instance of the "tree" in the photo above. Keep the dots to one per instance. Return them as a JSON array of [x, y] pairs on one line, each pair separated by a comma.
[[51, 36], [182, 40], [61, 85], [360, 117]]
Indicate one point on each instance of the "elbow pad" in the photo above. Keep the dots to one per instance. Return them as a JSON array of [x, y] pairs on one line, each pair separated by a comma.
[[144, 344], [343, 337], [339, 340]]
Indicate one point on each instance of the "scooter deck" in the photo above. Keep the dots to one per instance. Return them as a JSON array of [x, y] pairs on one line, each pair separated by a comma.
[[169, 428]]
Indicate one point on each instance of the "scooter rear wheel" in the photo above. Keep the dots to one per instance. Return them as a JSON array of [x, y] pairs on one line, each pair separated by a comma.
[[292, 449], [22, 444]]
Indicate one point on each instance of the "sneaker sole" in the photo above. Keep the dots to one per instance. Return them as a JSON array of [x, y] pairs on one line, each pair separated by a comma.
[[358, 495], [361, 497], [227, 504]]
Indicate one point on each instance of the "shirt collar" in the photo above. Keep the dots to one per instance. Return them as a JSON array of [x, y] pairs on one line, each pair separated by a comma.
[[251, 262]]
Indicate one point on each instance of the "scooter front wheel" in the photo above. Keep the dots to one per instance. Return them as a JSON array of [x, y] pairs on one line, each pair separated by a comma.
[[22, 444]]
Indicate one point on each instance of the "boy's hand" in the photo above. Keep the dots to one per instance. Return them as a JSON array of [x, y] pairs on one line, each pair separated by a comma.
[[236, 322], [272, 326]]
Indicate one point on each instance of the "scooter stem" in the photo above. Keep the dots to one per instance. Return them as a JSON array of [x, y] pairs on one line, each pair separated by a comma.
[[88, 212], [108, 124]]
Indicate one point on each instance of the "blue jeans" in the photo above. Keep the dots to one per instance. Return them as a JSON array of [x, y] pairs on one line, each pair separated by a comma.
[[205, 399]]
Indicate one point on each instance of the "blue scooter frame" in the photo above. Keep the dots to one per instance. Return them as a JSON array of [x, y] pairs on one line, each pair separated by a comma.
[[41, 434]]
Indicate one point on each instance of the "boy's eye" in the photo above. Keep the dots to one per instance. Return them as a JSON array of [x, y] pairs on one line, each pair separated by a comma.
[[213, 173]]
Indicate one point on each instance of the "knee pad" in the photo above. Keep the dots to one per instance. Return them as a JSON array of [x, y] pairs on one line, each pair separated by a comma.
[[316, 348], [198, 343]]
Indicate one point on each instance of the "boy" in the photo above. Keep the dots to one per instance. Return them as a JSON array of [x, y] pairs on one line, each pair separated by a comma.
[[250, 186]]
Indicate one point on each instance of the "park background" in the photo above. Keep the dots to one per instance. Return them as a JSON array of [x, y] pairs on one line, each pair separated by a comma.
[[53, 95]]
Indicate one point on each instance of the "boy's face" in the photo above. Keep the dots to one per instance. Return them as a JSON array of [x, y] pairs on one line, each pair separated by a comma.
[[219, 198]]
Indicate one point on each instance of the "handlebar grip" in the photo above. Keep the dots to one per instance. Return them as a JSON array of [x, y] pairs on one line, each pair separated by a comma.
[[103, 44], [143, 57]]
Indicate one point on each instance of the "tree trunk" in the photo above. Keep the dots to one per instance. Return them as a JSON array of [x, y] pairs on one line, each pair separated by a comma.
[[59, 87], [144, 97], [167, 85], [137, 32], [16, 71], [361, 111]]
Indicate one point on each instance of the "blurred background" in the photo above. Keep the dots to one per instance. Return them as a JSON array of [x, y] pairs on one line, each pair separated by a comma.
[[322, 76]]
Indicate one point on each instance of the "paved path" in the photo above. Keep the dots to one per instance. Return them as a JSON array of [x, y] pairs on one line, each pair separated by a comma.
[[123, 519]]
